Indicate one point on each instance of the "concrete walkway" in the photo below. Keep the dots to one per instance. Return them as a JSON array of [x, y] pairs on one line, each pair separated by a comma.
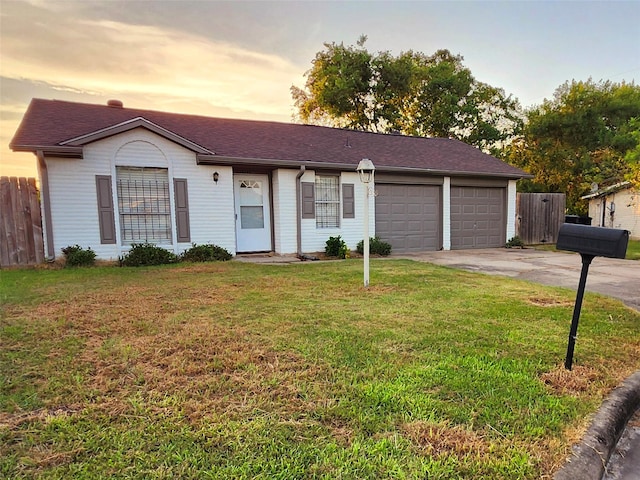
[[609, 276]]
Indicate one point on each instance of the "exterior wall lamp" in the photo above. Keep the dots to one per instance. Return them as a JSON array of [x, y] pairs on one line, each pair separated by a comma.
[[216, 177], [366, 170]]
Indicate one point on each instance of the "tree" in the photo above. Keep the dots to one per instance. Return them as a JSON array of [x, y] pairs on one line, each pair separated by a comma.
[[586, 134], [412, 93]]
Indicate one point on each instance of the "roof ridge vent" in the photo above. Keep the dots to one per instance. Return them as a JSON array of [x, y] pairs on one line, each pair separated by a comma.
[[115, 103]]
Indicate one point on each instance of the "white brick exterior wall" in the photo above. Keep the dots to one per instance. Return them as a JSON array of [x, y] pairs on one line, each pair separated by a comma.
[[211, 205], [351, 229], [626, 215], [284, 211], [73, 191]]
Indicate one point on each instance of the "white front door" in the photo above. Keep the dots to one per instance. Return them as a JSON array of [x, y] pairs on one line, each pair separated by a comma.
[[253, 218]]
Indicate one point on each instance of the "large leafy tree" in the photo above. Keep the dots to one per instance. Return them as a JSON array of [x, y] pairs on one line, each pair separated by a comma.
[[589, 133], [413, 93]]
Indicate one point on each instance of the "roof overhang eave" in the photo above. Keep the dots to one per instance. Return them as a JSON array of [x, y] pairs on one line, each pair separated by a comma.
[[50, 150], [607, 191], [262, 162]]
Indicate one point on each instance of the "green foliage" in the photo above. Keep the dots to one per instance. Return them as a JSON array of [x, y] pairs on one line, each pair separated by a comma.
[[413, 93], [589, 133], [205, 253], [144, 254], [336, 247], [76, 256], [515, 242], [376, 247]]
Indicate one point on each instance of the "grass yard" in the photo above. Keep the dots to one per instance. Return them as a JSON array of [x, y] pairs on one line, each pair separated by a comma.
[[238, 371], [633, 249]]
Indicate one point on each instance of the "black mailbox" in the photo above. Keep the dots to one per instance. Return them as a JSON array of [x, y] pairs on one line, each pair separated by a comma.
[[596, 241], [589, 242]]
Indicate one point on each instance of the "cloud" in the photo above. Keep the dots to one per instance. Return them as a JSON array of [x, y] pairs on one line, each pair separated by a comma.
[[107, 56], [56, 53]]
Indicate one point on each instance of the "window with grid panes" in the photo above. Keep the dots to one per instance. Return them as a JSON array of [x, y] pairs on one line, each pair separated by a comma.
[[327, 201], [143, 205]]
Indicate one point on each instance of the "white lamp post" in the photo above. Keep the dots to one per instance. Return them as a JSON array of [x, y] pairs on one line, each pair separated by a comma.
[[365, 170]]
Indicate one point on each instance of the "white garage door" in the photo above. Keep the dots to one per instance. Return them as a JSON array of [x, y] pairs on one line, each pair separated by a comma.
[[408, 217], [477, 217]]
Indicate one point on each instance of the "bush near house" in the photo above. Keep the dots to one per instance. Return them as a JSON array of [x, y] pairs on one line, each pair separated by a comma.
[[515, 242], [336, 247], [76, 256], [376, 247], [144, 254], [205, 253]]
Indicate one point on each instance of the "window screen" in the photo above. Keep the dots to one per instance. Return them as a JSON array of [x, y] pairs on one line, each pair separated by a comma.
[[143, 205], [327, 201]]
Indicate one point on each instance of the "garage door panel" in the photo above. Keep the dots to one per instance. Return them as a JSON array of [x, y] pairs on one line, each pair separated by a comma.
[[415, 226], [414, 209], [469, 209], [477, 217], [408, 216]]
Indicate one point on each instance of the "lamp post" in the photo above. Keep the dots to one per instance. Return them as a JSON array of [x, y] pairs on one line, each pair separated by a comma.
[[365, 170]]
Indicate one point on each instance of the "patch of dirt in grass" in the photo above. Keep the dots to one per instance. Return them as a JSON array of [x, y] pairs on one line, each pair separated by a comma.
[[540, 301], [438, 439], [570, 382], [44, 456], [15, 419], [175, 349]]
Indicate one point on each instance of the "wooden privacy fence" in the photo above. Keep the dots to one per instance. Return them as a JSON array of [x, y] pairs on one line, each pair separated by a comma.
[[539, 216], [20, 223]]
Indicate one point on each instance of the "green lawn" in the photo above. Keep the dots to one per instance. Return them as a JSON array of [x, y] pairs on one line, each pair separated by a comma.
[[633, 249], [234, 370]]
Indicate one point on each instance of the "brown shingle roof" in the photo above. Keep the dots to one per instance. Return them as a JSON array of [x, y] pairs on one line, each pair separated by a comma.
[[49, 123]]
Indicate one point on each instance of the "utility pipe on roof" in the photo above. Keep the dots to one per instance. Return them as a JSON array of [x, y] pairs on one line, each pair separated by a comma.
[[299, 210]]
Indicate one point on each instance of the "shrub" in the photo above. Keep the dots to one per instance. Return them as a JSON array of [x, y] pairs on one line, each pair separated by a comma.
[[142, 254], [76, 256], [336, 247], [376, 247], [205, 253], [515, 242]]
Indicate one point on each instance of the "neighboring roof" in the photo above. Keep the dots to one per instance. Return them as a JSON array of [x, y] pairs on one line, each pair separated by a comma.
[[61, 128], [608, 190]]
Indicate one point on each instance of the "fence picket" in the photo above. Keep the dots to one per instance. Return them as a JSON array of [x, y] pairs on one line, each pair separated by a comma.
[[539, 216], [21, 241]]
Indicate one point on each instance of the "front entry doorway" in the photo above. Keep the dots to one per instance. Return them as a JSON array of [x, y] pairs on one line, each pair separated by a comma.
[[253, 217]]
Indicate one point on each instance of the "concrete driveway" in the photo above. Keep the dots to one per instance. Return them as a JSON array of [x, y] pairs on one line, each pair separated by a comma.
[[617, 278]]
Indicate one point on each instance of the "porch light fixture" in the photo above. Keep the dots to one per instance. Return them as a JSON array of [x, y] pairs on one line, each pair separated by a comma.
[[216, 177], [365, 170]]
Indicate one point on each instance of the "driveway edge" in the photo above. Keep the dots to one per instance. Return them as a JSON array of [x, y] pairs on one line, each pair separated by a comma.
[[589, 458]]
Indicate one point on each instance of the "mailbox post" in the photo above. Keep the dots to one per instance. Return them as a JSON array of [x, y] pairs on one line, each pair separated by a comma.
[[589, 242]]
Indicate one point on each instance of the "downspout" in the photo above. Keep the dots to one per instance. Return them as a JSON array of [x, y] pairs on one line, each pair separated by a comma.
[[604, 211], [299, 210], [45, 198]]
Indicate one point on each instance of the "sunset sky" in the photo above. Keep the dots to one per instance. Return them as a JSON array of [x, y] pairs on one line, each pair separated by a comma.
[[239, 59]]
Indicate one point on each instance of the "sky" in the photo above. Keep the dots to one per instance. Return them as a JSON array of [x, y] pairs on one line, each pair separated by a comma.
[[238, 59]]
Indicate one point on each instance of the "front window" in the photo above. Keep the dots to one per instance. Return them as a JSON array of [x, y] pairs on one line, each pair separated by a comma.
[[327, 201], [143, 205]]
